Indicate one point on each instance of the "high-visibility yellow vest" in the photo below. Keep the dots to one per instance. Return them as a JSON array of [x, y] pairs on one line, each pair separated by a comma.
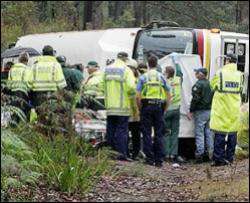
[[225, 112], [47, 75], [175, 84], [93, 84], [119, 85], [17, 78], [153, 87]]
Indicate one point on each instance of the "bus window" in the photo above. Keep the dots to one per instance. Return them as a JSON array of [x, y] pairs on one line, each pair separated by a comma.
[[230, 49], [163, 42]]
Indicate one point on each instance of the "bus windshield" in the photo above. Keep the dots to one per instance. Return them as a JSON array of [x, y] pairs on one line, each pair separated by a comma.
[[163, 42]]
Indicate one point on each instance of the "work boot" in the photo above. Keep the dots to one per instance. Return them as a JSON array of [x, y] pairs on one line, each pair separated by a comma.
[[158, 164], [198, 159], [206, 158], [216, 164], [149, 162], [178, 159], [123, 158]]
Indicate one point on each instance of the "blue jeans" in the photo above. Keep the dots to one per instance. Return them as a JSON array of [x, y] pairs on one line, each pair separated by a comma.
[[152, 116], [220, 153], [203, 135], [117, 134]]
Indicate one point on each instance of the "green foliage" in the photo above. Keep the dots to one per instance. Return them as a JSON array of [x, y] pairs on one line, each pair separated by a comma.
[[68, 164], [18, 166], [126, 20], [56, 112]]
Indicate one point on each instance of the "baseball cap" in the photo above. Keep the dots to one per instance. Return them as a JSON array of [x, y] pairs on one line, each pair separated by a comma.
[[122, 54], [201, 70], [48, 50], [92, 63]]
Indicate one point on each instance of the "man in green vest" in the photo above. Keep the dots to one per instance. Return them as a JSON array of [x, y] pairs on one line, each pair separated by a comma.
[[73, 77], [172, 116], [225, 113], [153, 98], [119, 85], [46, 76]]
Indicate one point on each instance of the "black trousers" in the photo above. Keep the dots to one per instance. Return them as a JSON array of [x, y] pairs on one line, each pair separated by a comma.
[[21, 101], [134, 128]]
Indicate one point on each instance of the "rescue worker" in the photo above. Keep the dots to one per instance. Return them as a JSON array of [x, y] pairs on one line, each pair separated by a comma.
[[119, 85], [4, 78], [17, 82], [134, 120], [153, 97], [172, 116], [225, 113], [73, 77], [93, 86], [5, 70], [47, 76], [200, 109]]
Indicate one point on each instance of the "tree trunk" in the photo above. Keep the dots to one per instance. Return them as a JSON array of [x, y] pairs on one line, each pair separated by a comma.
[[138, 13], [88, 10], [243, 12]]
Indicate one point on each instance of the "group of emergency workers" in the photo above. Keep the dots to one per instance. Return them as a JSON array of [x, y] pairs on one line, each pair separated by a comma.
[[139, 98]]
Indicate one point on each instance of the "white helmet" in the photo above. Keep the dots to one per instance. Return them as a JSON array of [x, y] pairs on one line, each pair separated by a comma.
[[132, 63]]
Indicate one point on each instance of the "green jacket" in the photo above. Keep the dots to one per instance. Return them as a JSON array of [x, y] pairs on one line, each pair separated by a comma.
[[73, 78], [119, 86], [202, 96], [225, 113]]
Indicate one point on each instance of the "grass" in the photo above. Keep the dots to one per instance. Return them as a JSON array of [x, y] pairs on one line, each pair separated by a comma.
[[68, 163]]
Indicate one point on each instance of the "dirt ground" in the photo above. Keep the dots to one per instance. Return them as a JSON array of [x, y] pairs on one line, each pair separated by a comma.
[[137, 182], [190, 182]]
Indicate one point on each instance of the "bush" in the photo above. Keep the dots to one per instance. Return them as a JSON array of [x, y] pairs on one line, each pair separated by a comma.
[[68, 163], [18, 165]]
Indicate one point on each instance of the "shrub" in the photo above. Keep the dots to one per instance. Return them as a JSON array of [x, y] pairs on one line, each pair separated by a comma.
[[68, 163]]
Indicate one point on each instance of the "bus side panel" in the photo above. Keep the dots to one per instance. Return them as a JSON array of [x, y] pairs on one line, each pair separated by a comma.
[[215, 53]]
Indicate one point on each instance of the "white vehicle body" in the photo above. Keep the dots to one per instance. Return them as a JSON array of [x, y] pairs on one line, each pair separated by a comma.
[[103, 45]]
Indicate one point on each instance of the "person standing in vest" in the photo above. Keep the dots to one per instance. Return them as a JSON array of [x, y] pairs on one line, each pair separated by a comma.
[[47, 77], [225, 113], [153, 98], [134, 120], [119, 86], [17, 82], [92, 85], [172, 116], [200, 109]]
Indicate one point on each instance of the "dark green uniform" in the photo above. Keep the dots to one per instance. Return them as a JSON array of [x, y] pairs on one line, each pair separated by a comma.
[[202, 96], [73, 78]]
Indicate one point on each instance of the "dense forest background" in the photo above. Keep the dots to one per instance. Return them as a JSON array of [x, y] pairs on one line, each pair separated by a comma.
[[25, 17]]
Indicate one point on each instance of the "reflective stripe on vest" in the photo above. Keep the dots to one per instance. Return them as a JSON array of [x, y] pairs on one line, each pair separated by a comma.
[[117, 75], [47, 84], [229, 83], [153, 82], [176, 90], [18, 69], [16, 82]]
